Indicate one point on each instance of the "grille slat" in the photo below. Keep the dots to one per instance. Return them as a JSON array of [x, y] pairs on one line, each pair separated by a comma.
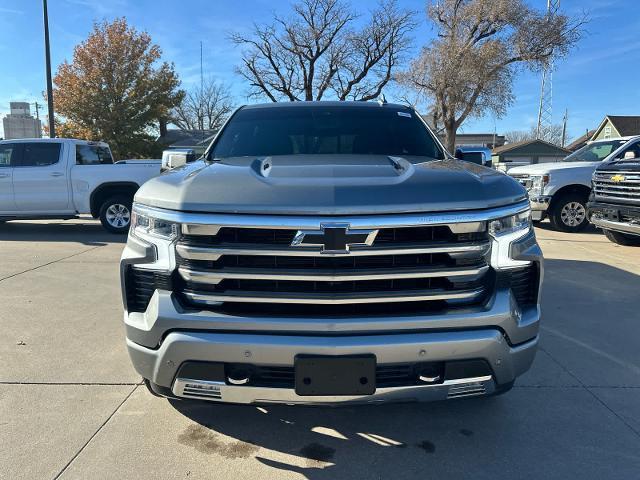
[[215, 276], [335, 299], [194, 252]]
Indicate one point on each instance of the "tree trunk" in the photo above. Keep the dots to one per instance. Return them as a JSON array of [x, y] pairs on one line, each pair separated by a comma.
[[163, 127], [450, 135]]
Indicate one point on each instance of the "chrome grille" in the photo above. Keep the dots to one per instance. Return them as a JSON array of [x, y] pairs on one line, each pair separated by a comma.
[[627, 190], [237, 268]]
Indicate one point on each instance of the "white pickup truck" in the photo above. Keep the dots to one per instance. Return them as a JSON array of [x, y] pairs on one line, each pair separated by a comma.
[[62, 178], [560, 190]]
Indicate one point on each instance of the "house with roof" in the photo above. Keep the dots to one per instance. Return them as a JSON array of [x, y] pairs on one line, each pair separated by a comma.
[[581, 141], [614, 126], [525, 153]]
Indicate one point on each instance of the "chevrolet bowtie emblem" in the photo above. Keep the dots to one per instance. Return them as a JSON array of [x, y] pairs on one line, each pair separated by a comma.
[[617, 178], [334, 238]]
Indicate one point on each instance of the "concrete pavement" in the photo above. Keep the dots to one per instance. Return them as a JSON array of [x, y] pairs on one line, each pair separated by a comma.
[[71, 405]]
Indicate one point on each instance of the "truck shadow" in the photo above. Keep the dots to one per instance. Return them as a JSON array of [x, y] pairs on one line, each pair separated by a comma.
[[85, 230], [323, 443], [463, 438]]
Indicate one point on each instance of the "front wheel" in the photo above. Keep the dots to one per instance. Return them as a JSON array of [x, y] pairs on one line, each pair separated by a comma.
[[569, 213], [622, 238], [115, 214]]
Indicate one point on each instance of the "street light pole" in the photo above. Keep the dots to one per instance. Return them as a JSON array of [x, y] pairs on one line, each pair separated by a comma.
[[52, 126]]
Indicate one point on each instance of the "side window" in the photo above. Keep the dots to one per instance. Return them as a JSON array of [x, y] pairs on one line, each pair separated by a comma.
[[8, 154], [631, 152], [92, 155], [40, 154]]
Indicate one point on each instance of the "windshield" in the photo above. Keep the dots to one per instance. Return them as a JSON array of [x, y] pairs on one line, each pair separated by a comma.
[[594, 152], [325, 130]]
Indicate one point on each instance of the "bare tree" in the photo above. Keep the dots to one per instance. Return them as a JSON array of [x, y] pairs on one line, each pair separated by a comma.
[[550, 133], [318, 50], [468, 69], [204, 108]]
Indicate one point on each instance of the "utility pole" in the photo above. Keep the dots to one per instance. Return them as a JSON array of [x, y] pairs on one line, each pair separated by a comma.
[[47, 53], [545, 109], [564, 127], [37, 107], [201, 94]]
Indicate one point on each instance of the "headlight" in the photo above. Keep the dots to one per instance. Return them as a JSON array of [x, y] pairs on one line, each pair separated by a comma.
[[145, 224], [538, 182], [520, 222], [505, 231]]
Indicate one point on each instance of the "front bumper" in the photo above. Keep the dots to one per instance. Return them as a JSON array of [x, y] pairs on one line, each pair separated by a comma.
[[539, 206], [162, 364], [165, 337], [619, 218]]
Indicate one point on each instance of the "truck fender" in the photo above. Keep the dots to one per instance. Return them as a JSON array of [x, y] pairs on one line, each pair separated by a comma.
[[109, 189]]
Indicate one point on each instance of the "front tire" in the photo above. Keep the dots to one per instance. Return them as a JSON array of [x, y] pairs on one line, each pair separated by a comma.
[[115, 214], [622, 238], [569, 213]]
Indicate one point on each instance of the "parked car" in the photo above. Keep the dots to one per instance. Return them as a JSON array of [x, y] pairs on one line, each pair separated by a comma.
[[615, 202], [62, 178], [560, 191], [326, 252], [477, 155]]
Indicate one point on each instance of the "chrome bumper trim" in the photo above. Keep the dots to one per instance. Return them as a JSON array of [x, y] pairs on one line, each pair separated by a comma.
[[539, 202], [633, 229], [221, 392]]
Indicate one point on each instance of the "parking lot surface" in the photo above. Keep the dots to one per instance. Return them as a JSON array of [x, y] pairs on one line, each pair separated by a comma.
[[72, 407]]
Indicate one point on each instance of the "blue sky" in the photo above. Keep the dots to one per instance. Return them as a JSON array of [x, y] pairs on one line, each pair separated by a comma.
[[600, 77]]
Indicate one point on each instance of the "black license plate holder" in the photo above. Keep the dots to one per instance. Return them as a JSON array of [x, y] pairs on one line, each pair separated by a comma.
[[335, 375]]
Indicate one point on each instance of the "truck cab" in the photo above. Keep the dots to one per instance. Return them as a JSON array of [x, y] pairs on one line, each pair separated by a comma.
[[62, 178], [560, 191]]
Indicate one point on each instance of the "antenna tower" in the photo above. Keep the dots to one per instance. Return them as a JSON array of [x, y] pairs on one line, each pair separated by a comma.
[[545, 110]]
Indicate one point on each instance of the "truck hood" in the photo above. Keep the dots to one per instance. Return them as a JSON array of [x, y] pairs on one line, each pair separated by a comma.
[[330, 185], [542, 168], [621, 166]]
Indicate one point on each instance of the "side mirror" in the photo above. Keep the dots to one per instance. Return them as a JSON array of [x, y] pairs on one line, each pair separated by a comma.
[[176, 158], [472, 157], [630, 155]]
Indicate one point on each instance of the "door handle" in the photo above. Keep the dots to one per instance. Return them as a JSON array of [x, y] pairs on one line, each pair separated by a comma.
[[57, 174], [4, 175]]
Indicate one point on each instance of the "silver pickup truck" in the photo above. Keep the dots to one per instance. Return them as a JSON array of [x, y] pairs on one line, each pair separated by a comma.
[[326, 253]]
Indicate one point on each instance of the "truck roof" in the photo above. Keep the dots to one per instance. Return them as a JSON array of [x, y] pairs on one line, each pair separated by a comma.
[[55, 140], [627, 138], [323, 103]]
